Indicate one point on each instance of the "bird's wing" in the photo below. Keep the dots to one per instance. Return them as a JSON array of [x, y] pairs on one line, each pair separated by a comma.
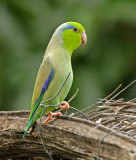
[[44, 77]]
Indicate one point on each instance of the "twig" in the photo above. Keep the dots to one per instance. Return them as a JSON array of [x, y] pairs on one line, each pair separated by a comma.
[[113, 91], [121, 129], [123, 89], [73, 95], [79, 112], [71, 100], [133, 100], [119, 124], [86, 108]]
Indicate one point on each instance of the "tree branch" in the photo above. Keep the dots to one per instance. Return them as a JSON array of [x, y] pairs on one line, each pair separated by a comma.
[[65, 137]]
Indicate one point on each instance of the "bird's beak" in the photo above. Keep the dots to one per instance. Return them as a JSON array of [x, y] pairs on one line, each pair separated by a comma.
[[83, 38]]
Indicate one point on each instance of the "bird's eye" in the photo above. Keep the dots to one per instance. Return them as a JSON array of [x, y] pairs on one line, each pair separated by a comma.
[[75, 29]]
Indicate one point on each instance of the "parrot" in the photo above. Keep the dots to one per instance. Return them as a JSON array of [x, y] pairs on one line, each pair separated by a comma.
[[53, 71]]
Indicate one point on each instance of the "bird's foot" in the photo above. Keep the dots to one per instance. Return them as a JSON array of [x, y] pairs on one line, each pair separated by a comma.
[[52, 115], [64, 106]]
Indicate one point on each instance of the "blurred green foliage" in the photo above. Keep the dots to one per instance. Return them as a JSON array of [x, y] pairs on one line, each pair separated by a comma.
[[108, 58]]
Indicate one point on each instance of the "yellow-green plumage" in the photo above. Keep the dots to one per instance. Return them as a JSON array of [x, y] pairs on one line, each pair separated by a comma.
[[57, 58]]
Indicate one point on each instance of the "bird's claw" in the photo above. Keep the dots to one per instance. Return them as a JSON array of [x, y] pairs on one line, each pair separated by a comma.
[[52, 115], [64, 106]]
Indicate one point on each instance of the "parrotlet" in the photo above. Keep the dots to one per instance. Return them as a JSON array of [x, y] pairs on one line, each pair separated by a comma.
[[54, 69]]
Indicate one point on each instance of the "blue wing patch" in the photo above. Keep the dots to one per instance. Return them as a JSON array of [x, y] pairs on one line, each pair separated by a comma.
[[48, 80], [45, 86]]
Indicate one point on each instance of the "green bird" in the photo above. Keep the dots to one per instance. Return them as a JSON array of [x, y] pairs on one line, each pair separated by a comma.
[[55, 67]]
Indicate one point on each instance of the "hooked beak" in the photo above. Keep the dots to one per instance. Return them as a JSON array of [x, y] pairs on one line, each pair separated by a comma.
[[83, 38]]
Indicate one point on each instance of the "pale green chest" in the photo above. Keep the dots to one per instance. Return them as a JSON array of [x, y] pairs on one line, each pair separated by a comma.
[[61, 62]]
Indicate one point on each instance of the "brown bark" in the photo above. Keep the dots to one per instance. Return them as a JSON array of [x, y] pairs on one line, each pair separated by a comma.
[[65, 138]]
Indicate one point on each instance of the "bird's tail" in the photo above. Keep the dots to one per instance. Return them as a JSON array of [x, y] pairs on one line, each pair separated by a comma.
[[32, 120], [34, 115], [28, 127]]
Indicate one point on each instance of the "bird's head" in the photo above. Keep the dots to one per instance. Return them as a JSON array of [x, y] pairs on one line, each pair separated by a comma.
[[72, 35]]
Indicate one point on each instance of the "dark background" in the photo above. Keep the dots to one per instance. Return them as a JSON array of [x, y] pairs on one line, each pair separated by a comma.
[[108, 58]]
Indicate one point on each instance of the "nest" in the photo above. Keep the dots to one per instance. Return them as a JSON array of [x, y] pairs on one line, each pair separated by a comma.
[[118, 115]]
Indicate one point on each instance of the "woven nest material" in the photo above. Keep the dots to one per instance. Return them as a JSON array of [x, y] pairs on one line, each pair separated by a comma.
[[117, 115]]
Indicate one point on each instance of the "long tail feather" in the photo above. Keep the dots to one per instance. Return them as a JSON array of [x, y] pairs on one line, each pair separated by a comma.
[[27, 128]]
